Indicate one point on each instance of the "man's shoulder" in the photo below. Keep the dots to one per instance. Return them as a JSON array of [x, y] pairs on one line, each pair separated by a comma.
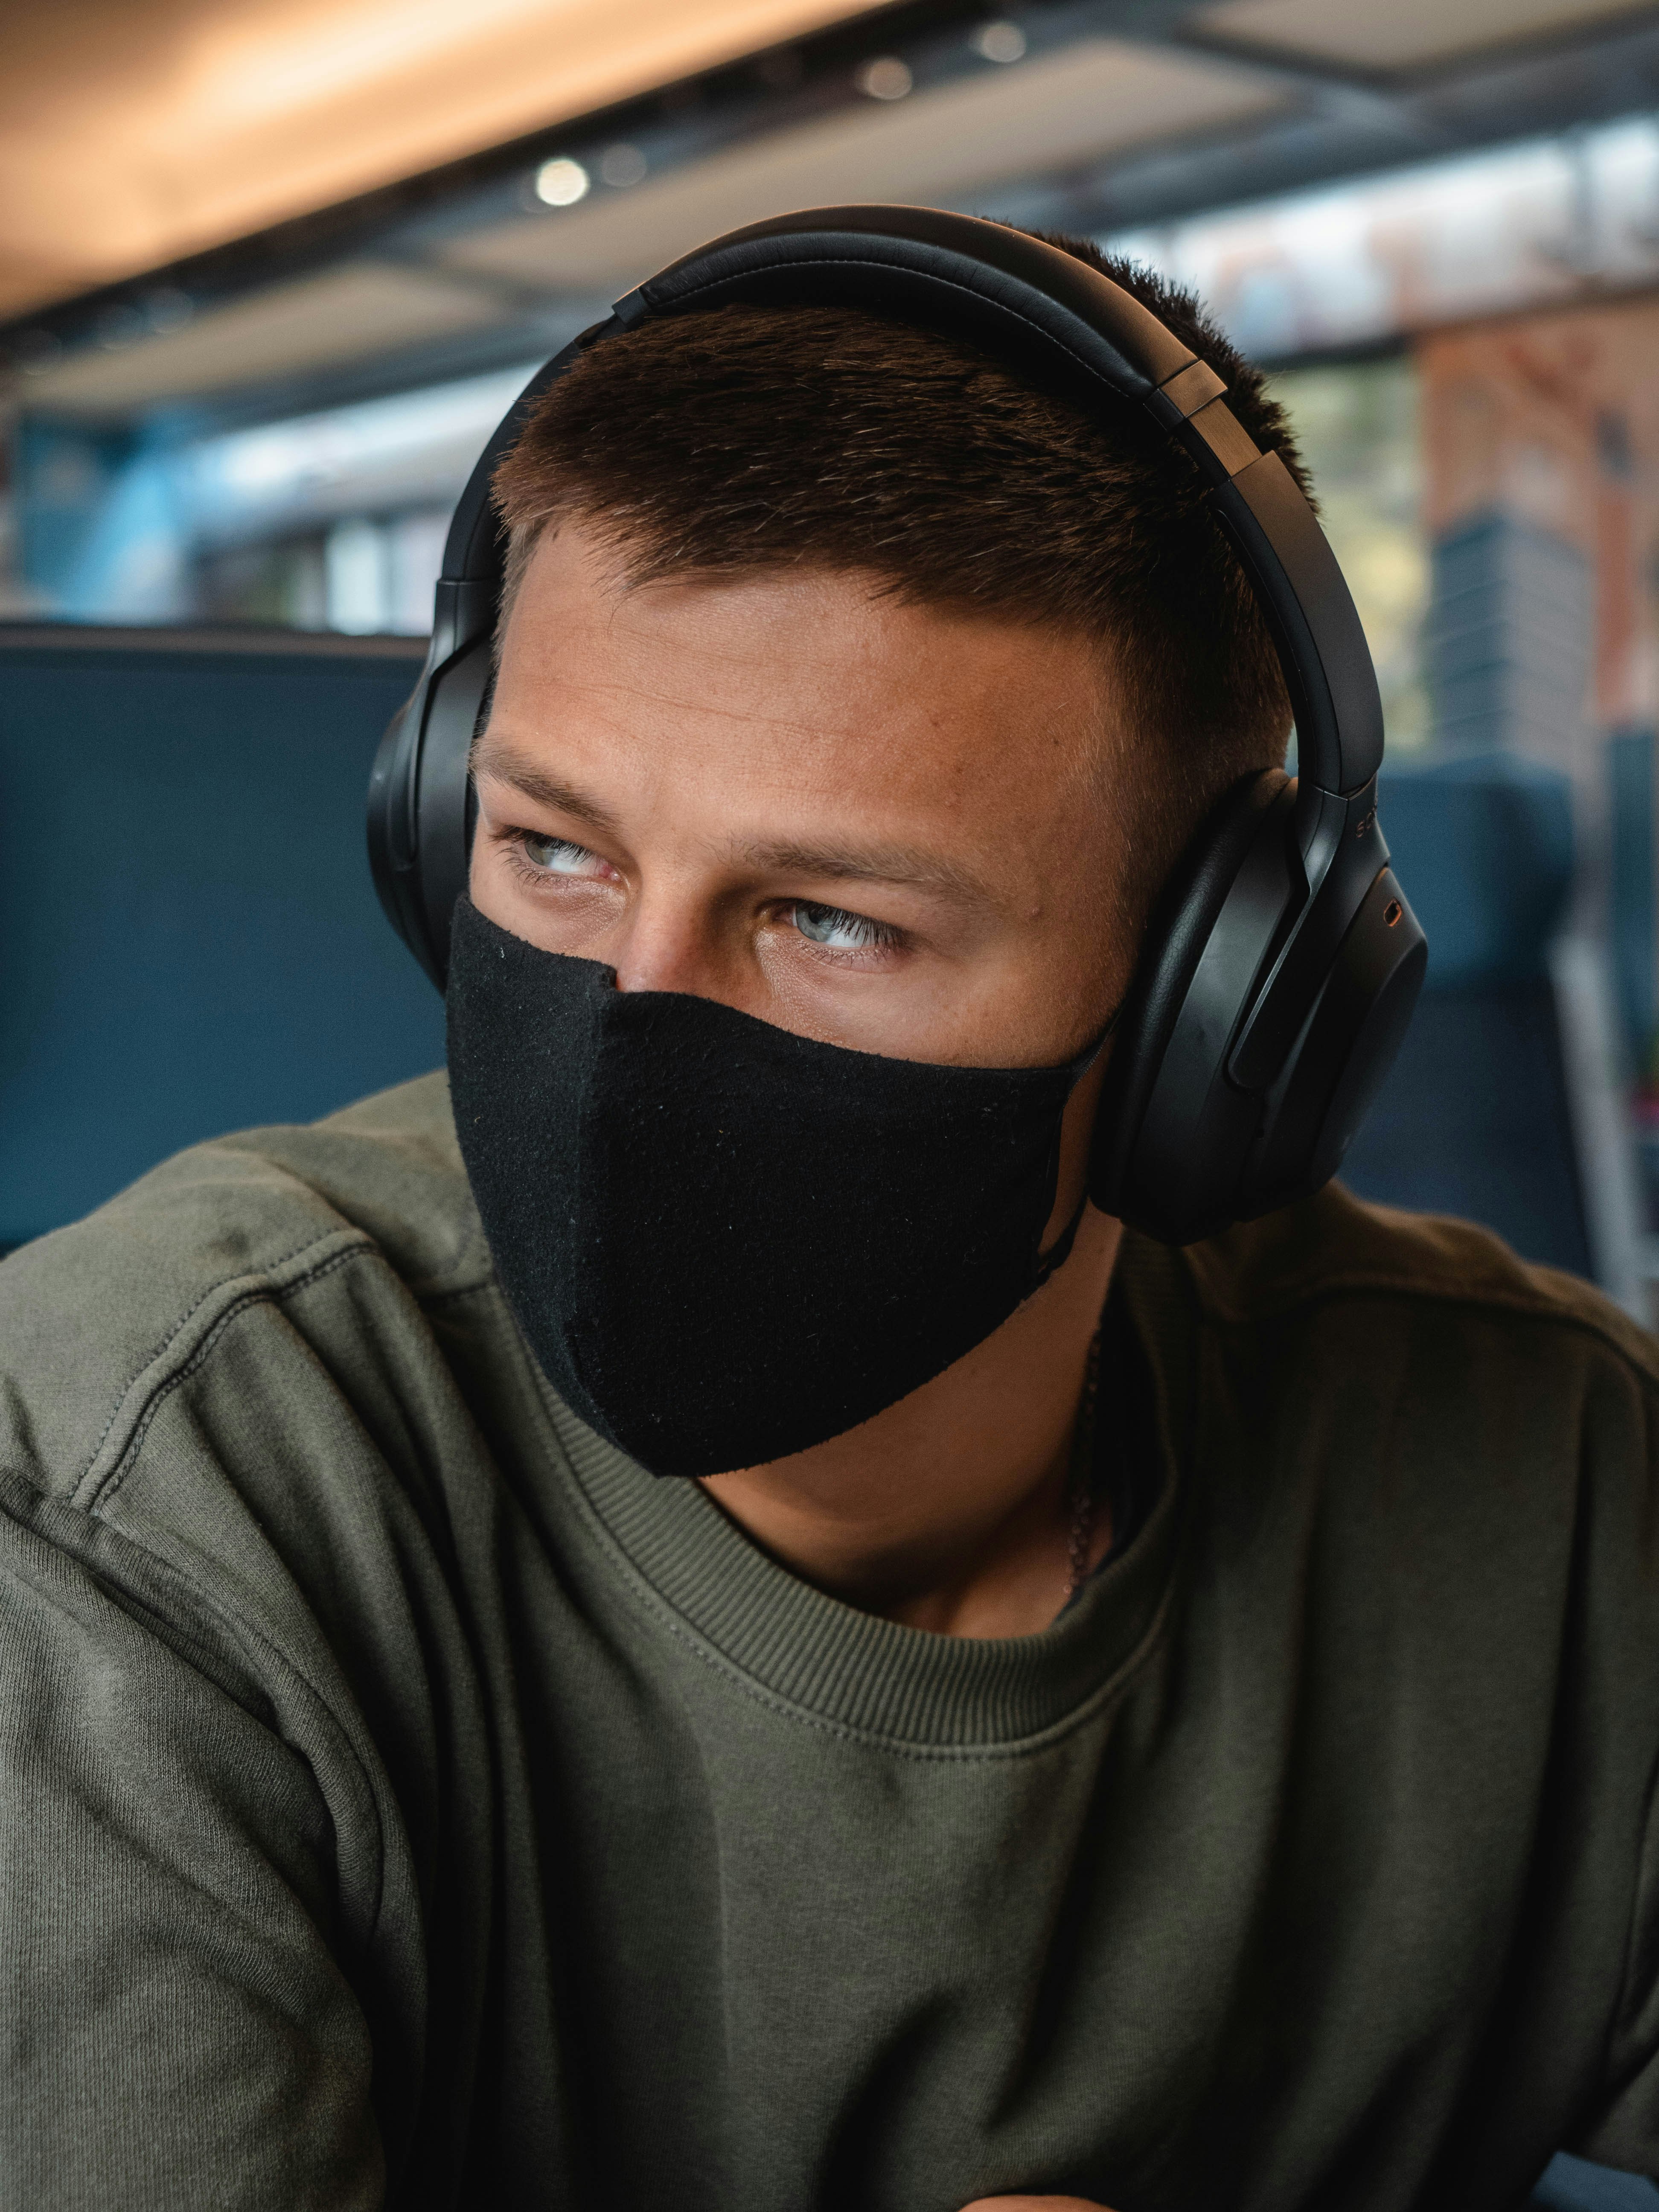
[[1336, 1252], [113, 1306]]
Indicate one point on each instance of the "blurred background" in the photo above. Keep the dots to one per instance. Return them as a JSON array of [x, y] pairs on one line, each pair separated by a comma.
[[270, 270]]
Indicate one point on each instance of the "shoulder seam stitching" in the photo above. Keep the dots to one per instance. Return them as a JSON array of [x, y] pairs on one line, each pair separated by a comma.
[[257, 1293], [173, 1334]]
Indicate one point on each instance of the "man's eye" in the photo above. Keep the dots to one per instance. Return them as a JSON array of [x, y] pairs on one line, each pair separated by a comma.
[[840, 931], [557, 856]]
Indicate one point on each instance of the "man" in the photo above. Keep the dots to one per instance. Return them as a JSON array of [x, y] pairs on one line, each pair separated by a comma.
[[1192, 1751]]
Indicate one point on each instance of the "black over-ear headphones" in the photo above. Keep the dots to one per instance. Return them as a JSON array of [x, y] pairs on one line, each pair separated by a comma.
[[1282, 963]]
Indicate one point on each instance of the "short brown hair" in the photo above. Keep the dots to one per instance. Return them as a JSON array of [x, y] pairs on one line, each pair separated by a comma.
[[740, 440]]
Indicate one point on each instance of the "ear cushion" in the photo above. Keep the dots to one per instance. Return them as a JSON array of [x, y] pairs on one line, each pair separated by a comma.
[[393, 846], [1173, 1133], [455, 707]]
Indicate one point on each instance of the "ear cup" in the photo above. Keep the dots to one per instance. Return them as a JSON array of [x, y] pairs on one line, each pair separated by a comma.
[[1183, 1146], [1173, 1133]]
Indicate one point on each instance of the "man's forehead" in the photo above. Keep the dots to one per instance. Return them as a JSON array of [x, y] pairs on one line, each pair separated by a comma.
[[848, 624], [921, 746]]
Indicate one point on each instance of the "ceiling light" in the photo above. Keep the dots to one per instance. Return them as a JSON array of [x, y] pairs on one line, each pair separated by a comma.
[[562, 182], [885, 78], [999, 42], [622, 165]]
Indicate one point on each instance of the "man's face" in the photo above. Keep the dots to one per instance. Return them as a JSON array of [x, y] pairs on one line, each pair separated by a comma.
[[886, 827]]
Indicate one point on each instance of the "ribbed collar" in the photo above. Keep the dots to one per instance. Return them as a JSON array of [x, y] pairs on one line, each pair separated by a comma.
[[873, 1677]]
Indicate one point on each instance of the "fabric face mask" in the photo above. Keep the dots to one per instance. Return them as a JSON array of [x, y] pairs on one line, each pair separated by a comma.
[[725, 1242]]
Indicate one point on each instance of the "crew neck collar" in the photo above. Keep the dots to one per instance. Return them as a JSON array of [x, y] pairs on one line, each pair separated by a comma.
[[839, 1667]]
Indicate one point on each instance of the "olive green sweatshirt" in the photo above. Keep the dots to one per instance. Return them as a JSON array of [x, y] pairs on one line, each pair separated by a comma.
[[405, 1800]]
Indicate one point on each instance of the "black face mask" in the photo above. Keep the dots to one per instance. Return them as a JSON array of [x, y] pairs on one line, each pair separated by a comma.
[[725, 1242]]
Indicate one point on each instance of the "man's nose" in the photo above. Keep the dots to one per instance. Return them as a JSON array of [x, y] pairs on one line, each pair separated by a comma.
[[669, 942]]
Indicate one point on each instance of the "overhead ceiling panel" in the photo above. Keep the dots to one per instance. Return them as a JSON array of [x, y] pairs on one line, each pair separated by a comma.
[[349, 313], [133, 132], [1404, 34], [1086, 101]]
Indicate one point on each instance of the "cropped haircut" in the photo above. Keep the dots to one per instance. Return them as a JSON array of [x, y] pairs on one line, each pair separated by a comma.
[[739, 441]]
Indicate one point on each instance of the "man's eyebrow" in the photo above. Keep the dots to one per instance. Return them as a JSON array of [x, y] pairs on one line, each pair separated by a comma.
[[872, 863], [514, 769]]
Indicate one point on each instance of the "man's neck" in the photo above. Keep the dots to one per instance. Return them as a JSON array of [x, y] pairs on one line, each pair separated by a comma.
[[951, 1511]]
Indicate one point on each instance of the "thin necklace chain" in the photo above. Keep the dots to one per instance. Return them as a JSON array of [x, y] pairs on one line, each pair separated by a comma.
[[1081, 1479]]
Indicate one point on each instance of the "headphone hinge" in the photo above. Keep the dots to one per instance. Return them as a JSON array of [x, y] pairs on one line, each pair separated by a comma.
[[464, 608]]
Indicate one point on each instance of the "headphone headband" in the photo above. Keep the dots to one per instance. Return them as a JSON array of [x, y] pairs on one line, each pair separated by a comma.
[[1023, 296], [1042, 312]]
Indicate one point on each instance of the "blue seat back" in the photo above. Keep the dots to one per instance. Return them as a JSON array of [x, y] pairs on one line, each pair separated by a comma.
[[189, 940], [1474, 1118]]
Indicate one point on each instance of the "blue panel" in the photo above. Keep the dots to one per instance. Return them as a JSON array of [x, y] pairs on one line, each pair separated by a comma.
[[189, 940], [1483, 846], [65, 473], [1507, 637], [1473, 1119], [1631, 807]]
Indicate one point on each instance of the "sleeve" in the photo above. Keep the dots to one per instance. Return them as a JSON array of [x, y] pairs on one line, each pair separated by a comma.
[[176, 2031], [1614, 1685], [1624, 2131]]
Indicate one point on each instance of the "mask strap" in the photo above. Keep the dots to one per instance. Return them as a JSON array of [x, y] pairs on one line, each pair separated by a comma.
[[1061, 1250], [1080, 1067]]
